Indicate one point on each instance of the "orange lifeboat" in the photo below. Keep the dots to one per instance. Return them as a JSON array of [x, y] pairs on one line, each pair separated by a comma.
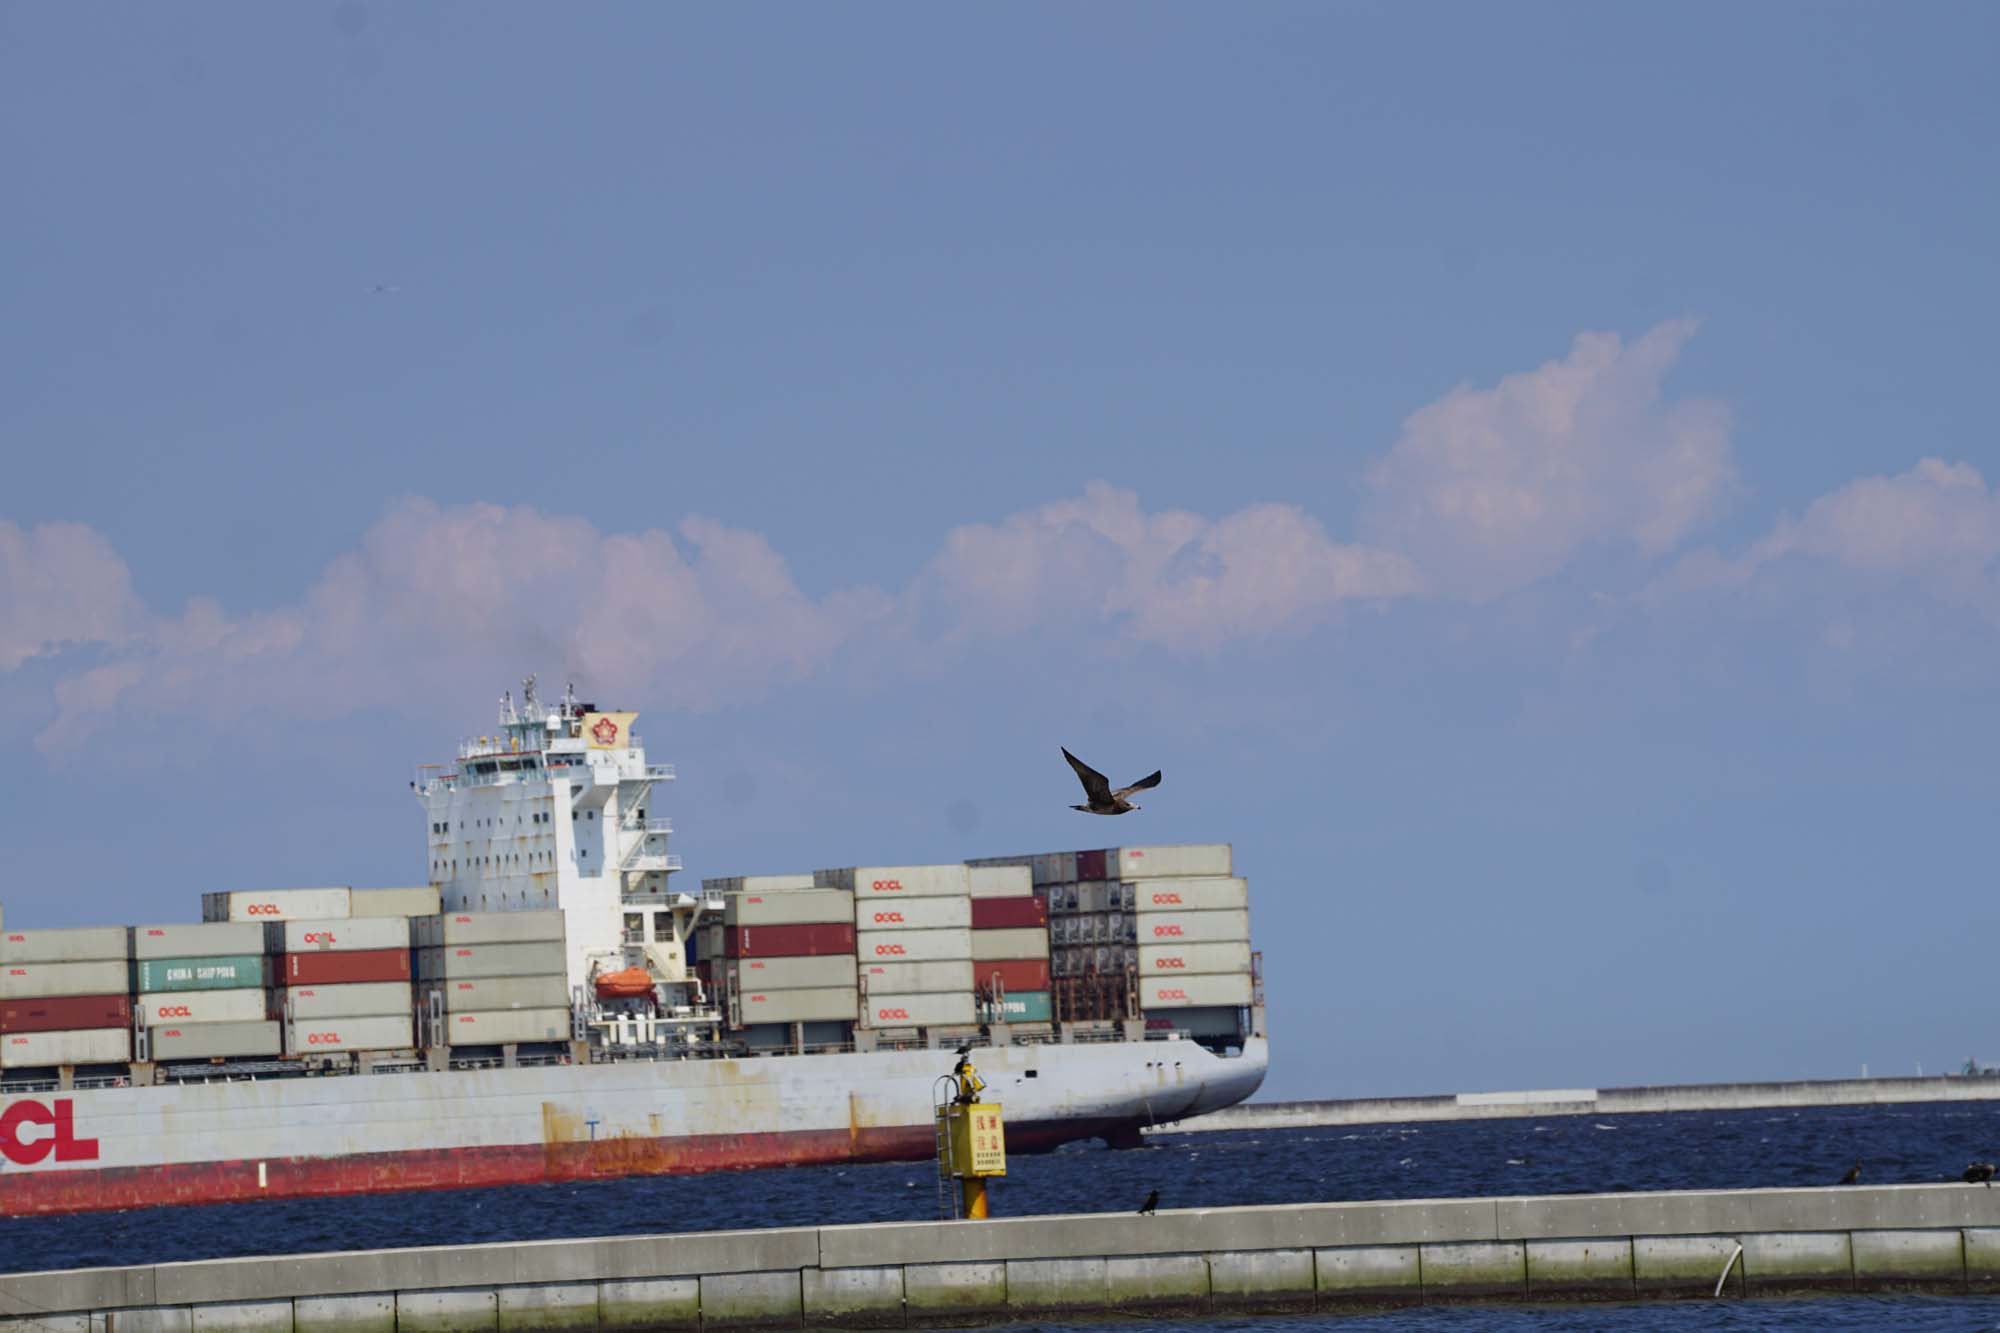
[[634, 983]]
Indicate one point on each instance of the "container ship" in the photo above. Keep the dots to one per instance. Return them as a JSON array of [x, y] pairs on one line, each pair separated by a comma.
[[549, 1006]]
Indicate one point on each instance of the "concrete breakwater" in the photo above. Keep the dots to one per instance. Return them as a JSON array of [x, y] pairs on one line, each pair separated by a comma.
[[1592, 1101], [1326, 1256]]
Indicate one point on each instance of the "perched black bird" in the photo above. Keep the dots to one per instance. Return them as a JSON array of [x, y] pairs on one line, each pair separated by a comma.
[[1853, 1176], [1103, 800], [1980, 1173], [1152, 1202]]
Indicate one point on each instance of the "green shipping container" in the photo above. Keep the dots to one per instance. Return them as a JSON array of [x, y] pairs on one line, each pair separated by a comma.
[[233, 972], [1028, 1006]]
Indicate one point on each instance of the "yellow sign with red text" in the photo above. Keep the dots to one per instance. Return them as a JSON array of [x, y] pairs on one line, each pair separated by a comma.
[[978, 1141], [608, 731]]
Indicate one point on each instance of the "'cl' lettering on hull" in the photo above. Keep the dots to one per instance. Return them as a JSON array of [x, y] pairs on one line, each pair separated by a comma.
[[60, 1119]]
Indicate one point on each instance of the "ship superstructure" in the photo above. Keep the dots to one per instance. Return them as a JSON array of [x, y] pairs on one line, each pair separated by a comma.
[[534, 1012], [556, 811]]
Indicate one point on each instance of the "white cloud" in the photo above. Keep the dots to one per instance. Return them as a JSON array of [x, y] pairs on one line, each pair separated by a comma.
[[60, 583], [1935, 527], [1938, 520], [1490, 489], [1172, 578], [435, 597]]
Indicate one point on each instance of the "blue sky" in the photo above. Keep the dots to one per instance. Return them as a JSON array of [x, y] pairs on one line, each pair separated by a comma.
[[1524, 472]]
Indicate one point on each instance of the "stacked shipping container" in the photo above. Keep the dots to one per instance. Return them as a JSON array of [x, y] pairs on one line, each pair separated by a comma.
[[1145, 931], [202, 991], [493, 978], [65, 997], [763, 985], [912, 942], [1010, 945], [346, 983]]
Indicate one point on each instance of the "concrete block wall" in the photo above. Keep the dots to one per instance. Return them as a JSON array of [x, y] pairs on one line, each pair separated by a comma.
[[1335, 1256]]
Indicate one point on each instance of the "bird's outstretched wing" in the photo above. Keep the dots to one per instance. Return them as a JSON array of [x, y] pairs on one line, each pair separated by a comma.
[[1095, 785], [1140, 785]]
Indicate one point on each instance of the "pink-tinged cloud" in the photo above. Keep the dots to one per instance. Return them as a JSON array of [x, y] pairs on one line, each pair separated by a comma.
[[1487, 490], [1173, 579], [433, 597], [1939, 520], [60, 584]]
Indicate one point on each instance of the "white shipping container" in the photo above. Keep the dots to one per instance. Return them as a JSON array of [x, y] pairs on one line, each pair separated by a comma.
[[912, 946], [925, 1009], [1001, 881], [355, 933], [826, 1004], [792, 973], [174, 1008], [42, 1050], [310, 1036], [503, 1027], [758, 883], [1017, 942], [212, 939], [1193, 927], [38, 981], [797, 907], [85, 944], [914, 978], [354, 999], [897, 881], [1188, 895], [1193, 992], [487, 928], [1186, 959], [493, 993], [491, 960], [277, 905], [212, 1041], [1188, 858], [394, 902], [881, 913]]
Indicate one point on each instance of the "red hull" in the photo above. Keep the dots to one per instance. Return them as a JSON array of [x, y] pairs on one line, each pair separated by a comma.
[[30, 1193]]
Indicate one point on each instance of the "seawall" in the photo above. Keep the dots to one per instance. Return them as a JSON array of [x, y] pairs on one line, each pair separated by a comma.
[[1592, 1101], [1327, 1256]]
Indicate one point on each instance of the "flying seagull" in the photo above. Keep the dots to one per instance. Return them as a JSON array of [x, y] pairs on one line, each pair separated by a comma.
[[1152, 1202], [1853, 1176], [1103, 800], [1980, 1173]]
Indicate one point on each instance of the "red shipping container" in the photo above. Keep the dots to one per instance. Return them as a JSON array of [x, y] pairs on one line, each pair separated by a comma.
[[1020, 974], [333, 968], [1009, 913], [787, 941], [66, 1013], [1090, 865]]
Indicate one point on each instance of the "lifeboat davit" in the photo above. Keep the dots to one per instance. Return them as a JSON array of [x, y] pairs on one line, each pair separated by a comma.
[[634, 983]]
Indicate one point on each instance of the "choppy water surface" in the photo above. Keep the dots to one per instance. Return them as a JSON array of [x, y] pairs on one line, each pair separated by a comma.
[[1552, 1155]]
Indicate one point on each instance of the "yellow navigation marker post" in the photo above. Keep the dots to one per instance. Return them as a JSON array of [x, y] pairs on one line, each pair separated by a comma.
[[972, 1138]]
